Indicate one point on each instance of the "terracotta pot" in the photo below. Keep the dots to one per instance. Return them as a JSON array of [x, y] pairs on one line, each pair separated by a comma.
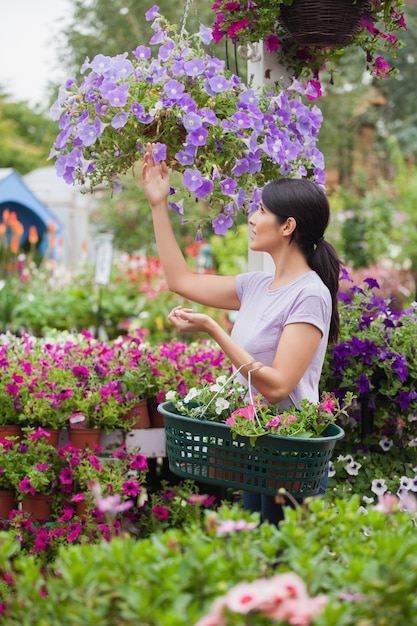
[[138, 416], [157, 419], [83, 438], [10, 431], [53, 438], [39, 506], [7, 503], [82, 508]]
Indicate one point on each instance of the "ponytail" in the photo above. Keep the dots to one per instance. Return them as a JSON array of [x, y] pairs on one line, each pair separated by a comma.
[[307, 203]]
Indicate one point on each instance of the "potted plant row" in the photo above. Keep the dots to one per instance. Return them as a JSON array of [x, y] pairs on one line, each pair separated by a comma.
[[76, 382], [40, 479]]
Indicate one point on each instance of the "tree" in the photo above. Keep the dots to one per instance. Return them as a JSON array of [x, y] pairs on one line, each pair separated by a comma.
[[26, 136], [112, 27]]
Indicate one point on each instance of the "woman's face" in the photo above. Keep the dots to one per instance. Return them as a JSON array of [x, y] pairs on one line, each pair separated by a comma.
[[264, 231]]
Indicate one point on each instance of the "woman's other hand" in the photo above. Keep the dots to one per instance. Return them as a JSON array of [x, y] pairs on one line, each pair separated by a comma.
[[186, 321], [155, 178]]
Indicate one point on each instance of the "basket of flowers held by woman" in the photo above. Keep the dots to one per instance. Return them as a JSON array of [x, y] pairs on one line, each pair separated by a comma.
[[223, 434]]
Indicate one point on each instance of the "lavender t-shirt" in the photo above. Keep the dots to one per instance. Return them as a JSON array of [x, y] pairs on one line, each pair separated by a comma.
[[265, 312]]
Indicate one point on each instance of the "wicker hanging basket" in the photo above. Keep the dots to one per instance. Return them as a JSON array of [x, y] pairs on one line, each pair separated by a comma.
[[322, 23]]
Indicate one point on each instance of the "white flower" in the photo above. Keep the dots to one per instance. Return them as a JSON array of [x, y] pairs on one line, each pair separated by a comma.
[[353, 468], [378, 486], [367, 500], [405, 483], [386, 443], [171, 395], [221, 405], [192, 393], [332, 471], [345, 458]]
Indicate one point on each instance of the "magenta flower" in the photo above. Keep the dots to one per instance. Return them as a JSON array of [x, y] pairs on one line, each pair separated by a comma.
[[160, 512], [25, 485], [130, 488], [66, 476], [39, 434], [74, 531]]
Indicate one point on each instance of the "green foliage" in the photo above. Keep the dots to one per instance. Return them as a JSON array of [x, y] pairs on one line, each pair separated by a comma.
[[26, 135], [112, 27], [128, 217], [230, 251], [365, 562]]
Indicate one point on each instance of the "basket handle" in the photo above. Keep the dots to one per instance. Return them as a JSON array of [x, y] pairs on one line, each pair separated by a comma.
[[231, 377]]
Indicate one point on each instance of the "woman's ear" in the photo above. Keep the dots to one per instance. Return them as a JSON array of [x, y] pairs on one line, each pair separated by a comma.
[[290, 225]]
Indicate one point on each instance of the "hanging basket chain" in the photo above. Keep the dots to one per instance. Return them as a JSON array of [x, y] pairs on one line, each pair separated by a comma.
[[188, 4]]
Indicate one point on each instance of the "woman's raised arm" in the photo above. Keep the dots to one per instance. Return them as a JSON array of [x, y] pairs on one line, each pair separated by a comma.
[[208, 289]]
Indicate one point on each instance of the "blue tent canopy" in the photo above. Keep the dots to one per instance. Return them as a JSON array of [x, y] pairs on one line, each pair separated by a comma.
[[17, 197]]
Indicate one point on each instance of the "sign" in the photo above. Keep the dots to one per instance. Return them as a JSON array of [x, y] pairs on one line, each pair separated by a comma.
[[104, 253]]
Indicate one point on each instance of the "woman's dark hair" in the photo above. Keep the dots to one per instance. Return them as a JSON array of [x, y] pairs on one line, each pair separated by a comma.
[[307, 203]]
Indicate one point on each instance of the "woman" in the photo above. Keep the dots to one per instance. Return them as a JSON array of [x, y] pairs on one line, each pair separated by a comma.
[[284, 320]]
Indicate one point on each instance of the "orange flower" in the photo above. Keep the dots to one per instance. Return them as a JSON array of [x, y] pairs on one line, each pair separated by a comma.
[[33, 237]]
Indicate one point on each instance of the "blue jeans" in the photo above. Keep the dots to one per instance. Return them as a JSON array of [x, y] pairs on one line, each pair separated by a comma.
[[271, 511]]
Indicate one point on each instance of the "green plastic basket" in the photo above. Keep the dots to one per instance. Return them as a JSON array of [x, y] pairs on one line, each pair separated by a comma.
[[206, 451]]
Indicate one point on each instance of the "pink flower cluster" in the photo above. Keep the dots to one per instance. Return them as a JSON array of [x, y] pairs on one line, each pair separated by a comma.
[[281, 598]]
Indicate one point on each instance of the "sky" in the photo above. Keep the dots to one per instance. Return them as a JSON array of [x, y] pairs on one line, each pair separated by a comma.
[[28, 50]]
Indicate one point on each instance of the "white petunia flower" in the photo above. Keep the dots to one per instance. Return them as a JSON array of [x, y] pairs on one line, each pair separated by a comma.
[[378, 486]]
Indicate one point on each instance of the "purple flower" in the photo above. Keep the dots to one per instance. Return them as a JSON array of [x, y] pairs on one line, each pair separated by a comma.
[[205, 189], [74, 531], [185, 157], [142, 52], [120, 119], [166, 50], [159, 152], [194, 67], [192, 179], [113, 504], [89, 133], [192, 121], [178, 207], [242, 120], [174, 89], [151, 13], [205, 34], [198, 137], [118, 96], [217, 84], [228, 186], [221, 224]]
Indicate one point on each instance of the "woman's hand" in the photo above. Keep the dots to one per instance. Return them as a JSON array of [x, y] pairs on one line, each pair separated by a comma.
[[186, 321], [155, 178]]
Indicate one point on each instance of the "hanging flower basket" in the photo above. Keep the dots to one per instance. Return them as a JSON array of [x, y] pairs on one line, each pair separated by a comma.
[[323, 22], [309, 37], [208, 452], [225, 139]]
